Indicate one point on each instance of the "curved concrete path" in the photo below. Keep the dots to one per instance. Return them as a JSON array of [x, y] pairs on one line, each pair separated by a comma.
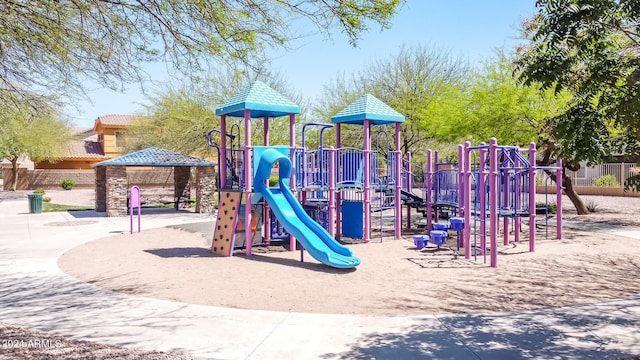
[[35, 293]]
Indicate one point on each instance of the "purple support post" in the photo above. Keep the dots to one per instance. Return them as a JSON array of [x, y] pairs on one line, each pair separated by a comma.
[[408, 187], [367, 185], [461, 195], [506, 190], [559, 200], [265, 129], [518, 198], [134, 202], [467, 199], [481, 192], [332, 190], [292, 151], [409, 177], [436, 167], [248, 171], [532, 197], [429, 202], [266, 216], [305, 167], [292, 155], [223, 152], [397, 230], [338, 194], [493, 200]]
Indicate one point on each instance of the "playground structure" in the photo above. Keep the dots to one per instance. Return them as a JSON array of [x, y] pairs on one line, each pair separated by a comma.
[[236, 173], [489, 183], [364, 182], [361, 174], [316, 178], [339, 189]]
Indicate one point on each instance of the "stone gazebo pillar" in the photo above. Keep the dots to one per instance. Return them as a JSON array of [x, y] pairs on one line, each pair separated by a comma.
[[205, 189], [116, 184], [101, 189], [181, 191]]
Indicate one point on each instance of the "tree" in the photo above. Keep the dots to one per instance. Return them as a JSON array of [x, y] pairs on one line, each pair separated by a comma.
[[495, 105], [178, 118], [592, 48], [181, 114], [38, 133], [498, 105], [410, 82], [55, 46]]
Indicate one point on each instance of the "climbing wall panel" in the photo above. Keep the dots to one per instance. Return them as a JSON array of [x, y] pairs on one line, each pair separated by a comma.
[[223, 235]]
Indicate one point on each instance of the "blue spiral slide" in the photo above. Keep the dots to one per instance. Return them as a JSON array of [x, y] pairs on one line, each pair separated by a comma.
[[313, 237]]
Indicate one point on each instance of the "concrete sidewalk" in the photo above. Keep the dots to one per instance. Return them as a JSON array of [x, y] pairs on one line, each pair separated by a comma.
[[35, 293]]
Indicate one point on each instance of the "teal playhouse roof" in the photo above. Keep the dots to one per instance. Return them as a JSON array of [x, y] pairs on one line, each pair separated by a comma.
[[261, 100], [155, 157], [368, 107]]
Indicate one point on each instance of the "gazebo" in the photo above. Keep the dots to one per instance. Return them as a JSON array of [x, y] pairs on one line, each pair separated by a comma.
[[112, 187]]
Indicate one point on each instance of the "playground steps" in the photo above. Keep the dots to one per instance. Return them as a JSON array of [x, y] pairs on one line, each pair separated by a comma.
[[414, 201], [223, 236], [410, 198]]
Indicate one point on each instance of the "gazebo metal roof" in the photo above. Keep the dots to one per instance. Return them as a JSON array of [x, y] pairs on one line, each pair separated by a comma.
[[368, 107], [155, 157], [261, 100]]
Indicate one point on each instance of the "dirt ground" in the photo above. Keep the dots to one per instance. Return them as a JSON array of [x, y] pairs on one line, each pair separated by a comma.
[[393, 278]]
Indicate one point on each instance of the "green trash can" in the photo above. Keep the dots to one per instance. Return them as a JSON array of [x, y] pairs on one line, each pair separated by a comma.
[[35, 203]]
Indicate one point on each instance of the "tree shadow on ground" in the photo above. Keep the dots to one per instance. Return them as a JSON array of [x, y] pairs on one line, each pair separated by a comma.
[[181, 252], [603, 331]]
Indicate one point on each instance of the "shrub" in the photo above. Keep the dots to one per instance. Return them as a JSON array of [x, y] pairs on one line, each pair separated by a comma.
[[592, 206], [606, 180], [273, 180], [67, 184], [39, 191], [551, 207], [46, 199]]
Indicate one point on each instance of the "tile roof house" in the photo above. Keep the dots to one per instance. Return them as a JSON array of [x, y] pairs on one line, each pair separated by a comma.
[[104, 141], [111, 132]]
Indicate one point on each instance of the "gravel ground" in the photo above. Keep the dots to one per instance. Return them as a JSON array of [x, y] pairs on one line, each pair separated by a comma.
[[608, 210], [20, 343]]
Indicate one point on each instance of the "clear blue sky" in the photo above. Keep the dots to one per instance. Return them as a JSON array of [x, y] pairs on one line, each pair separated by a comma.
[[469, 29]]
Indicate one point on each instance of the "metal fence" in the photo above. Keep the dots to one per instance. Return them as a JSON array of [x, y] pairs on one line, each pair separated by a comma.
[[587, 175]]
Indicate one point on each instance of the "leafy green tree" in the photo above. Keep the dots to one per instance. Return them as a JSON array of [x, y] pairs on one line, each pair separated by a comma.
[[495, 104], [500, 106], [592, 48], [58, 45], [178, 118], [180, 115], [411, 81], [337, 94], [38, 133]]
